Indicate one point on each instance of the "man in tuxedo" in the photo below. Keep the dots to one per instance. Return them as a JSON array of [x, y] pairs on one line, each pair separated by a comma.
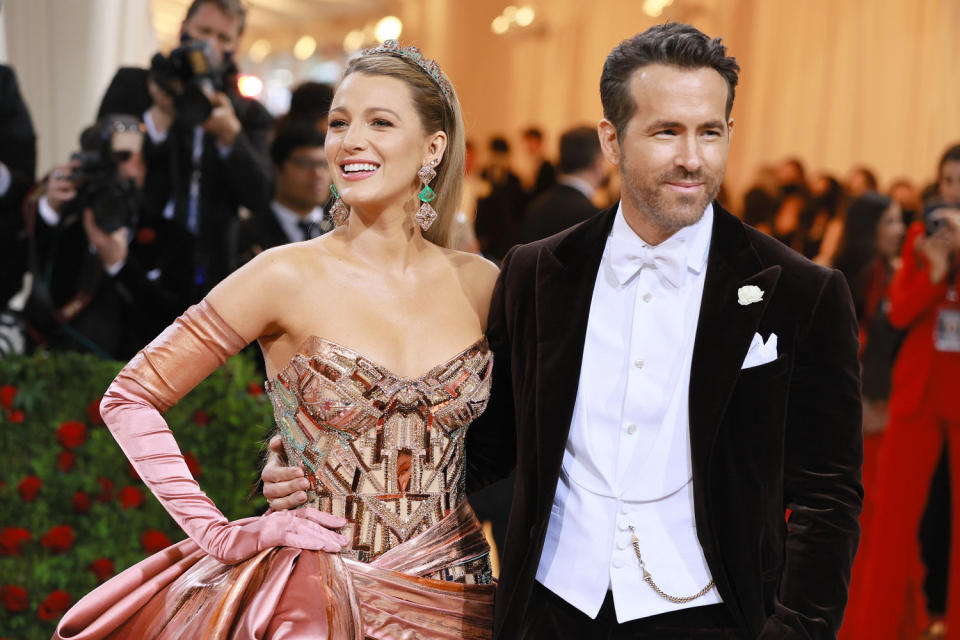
[[301, 187], [668, 383], [569, 201], [200, 175]]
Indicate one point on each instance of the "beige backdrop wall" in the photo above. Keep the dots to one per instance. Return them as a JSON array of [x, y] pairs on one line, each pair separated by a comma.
[[834, 82]]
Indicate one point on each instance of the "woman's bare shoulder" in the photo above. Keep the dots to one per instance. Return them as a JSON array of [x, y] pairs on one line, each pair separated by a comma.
[[478, 275]]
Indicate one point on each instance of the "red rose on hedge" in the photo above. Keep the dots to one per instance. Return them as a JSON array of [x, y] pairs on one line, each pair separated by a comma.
[[14, 598], [201, 417], [102, 568], [154, 541], [254, 389], [7, 394], [193, 464], [29, 487], [11, 539], [81, 502], [130, 498], [72, 433], [16, 417], [58, 539], [93, 411], [106, 489], [54, 606], [65, 460]]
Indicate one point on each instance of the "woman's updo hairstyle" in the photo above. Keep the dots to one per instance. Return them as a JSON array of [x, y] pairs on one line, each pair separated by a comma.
[[438, 111]]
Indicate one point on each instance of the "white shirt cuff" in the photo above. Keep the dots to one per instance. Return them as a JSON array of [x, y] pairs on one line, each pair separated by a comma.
[[156, 136], [114, 269], [51, 217], [5, 179], [224, 149]]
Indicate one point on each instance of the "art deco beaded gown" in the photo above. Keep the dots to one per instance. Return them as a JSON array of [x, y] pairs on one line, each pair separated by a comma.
[[383, 451]]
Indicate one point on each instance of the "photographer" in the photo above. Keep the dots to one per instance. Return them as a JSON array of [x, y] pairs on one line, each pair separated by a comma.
[[105, 279], [924, 410], [206, 145]]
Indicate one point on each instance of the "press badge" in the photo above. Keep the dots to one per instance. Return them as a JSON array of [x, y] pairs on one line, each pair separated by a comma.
[[946, 335]]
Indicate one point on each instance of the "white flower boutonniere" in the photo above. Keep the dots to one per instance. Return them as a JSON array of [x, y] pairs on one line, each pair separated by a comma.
[[749, 294]]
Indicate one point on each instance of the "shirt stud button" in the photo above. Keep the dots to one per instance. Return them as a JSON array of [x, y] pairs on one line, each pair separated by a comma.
[[638, 363], [631, 429], [647, 297]]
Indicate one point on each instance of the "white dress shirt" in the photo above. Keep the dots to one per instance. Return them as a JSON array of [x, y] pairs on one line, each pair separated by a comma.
[[627, 458], [290, 220]]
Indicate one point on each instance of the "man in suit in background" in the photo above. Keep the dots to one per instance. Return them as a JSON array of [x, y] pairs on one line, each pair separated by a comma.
[[667, 383], [18, 165], [301, 187], [569, 201], [200, 174]]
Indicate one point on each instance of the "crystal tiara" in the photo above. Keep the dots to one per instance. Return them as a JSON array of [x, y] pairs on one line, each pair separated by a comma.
[[432, 69]]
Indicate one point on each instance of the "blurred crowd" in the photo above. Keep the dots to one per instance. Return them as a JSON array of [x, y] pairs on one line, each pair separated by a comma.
[[179, 180]]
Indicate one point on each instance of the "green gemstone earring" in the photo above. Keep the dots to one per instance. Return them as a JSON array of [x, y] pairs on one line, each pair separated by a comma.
[[426, 215], [338, 211]]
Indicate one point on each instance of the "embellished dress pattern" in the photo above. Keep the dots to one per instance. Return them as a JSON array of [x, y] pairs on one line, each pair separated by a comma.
[[383, 451]]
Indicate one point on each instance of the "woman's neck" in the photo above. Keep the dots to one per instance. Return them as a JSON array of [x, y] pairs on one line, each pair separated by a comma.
[[389, 238]]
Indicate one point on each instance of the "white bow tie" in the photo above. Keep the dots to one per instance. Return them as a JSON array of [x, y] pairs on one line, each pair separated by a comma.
[[628, 256]]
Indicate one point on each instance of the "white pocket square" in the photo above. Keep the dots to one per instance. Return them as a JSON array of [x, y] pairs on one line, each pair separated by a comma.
[[760, 352]]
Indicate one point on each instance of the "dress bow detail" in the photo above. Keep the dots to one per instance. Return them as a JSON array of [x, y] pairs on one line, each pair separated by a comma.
[[629, 255]]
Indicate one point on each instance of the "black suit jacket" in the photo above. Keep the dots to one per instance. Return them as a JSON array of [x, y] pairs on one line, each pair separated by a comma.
[[559, 207], [241, 178], [258, 233], [784, 435]]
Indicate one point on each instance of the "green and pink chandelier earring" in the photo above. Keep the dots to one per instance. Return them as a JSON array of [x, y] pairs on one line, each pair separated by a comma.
[[338, 211], [426, 215]]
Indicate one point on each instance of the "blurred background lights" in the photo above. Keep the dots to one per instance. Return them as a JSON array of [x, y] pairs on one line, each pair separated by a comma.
[[304, 48], [259, 50], [353, 41], [525, 16], [250, 86], [388, 28], [513, 16], [654, 8]]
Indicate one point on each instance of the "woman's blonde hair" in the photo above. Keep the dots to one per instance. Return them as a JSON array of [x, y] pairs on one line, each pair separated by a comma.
[[438, 112]]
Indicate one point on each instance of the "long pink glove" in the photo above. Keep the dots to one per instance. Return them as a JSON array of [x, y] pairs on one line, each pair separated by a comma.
[[164, 371]]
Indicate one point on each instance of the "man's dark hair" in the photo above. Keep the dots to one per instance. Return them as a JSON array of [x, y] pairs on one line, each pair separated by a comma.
[[291, 137], [952, 154], [310, 101], [674, 44], [533, 132], [579, 148], [233, 8]]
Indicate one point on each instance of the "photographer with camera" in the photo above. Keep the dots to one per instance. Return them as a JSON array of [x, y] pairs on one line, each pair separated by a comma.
[[206, 145], [924, 411], [105, 278]]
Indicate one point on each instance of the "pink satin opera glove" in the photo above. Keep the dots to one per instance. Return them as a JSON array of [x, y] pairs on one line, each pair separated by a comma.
[[164, 371]]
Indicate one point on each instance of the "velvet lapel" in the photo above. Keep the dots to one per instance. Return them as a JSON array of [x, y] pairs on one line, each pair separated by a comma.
[[565, 279], [724, 332]]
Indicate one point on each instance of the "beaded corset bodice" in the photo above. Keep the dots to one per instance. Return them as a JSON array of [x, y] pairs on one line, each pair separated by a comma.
[[383, 451]]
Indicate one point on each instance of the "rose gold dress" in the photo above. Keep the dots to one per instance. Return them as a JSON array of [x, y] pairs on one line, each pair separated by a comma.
[[383, 451]]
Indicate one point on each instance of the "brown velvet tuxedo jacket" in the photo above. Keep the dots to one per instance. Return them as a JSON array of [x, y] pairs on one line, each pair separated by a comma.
[[783, 435]]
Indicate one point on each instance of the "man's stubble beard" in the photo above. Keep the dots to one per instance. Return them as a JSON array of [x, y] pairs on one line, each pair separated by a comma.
[[670, 214]]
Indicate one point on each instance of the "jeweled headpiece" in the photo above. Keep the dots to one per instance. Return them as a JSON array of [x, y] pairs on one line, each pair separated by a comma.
[[430, 67]]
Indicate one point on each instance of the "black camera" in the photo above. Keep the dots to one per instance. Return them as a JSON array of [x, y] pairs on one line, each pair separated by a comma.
[[190, 74], [933, 223], [115, 199]]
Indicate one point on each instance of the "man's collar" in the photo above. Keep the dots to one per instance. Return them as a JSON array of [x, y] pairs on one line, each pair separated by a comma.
[[579, 184], [287, 214]]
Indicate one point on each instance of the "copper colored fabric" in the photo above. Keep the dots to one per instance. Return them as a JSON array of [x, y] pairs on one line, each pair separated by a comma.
[[181, 593]]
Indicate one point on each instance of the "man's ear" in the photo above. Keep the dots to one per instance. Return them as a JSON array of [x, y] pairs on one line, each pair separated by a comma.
[[730, 128], [609, 142]]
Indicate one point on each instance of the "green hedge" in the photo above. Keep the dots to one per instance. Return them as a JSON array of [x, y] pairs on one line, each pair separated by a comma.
[[72, 512]]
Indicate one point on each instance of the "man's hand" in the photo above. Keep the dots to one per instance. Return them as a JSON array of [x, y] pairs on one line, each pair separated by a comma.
[[283, 487], [111, 247], [223, 123], [60, 189]]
